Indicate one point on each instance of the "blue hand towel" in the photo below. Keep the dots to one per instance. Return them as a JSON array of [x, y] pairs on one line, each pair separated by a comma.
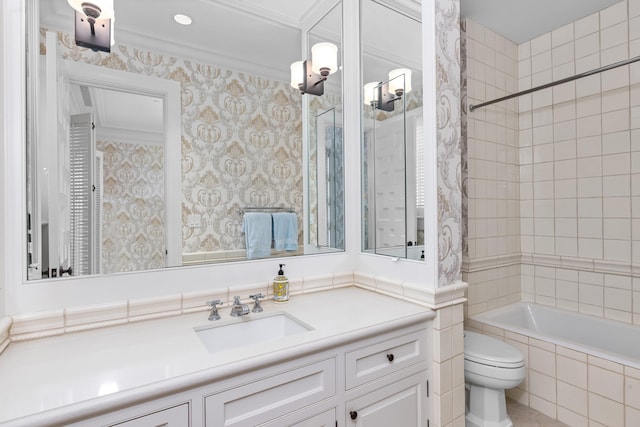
[[257, 230], [285, 231]]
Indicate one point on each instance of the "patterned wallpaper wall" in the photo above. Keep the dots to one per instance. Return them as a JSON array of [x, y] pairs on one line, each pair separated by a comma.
[[449, 141], [241, 141], [133, 206]]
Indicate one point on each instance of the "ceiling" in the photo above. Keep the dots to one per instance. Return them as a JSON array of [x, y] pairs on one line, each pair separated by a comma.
[[118, 113], [522, 20], [263, 37]]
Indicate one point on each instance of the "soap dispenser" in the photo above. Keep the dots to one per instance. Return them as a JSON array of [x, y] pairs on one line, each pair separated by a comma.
[[281, 286]]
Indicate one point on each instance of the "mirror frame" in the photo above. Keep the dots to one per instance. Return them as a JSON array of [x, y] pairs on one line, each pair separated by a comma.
[[167, 90], [318, 13]]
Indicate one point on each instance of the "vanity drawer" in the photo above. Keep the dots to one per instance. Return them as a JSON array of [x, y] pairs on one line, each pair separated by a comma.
[[383, 358], [178, 416], [271, 397]]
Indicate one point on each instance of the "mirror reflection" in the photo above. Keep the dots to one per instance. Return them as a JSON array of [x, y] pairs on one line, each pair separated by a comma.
[[392, 140], [325, 149], [237, 145]]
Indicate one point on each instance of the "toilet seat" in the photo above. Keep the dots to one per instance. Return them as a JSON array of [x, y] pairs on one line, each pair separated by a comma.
[[490, 351]]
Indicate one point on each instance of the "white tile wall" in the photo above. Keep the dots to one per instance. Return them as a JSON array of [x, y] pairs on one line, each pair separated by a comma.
[[572, 193], [492, 144]]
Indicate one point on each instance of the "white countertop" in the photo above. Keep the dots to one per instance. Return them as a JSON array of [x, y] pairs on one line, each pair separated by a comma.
[[106, 368]]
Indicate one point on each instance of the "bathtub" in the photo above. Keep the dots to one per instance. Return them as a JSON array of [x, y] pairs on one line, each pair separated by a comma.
[[607, 339], [580, 368]]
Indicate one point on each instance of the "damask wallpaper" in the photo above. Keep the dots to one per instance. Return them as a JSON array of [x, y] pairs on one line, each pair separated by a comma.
[[241, 141], [449, 141], [132, 206]]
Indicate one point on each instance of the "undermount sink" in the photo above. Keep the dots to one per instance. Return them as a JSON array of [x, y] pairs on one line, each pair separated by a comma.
[[249, 330]]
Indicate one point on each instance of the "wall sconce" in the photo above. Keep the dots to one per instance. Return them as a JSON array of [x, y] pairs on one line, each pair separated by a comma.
[[382, 95], [93, 23], [309, 76]]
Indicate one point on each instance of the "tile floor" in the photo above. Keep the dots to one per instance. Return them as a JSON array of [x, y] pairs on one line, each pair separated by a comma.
[[523, 416]]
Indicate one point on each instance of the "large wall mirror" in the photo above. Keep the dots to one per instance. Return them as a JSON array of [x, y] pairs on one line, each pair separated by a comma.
[[154, 154], [325, 145], [392, 140]]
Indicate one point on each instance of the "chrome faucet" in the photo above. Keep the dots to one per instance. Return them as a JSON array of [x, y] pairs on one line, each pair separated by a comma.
[[214, 309], [257, 308], [238, 309]]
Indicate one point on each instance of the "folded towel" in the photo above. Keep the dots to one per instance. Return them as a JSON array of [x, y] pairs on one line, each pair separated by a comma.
[[285, 231], [258, 231]]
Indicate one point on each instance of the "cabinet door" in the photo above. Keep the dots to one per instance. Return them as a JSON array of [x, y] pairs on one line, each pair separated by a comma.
[[277, 395], [177, 416], [403, 403]]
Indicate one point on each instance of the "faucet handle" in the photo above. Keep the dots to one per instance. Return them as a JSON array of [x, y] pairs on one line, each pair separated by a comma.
[[257, 308], [214, 309]]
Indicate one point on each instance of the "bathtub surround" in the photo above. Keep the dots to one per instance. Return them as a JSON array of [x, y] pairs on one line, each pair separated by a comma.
[[575, 170], [490, 175], [551, 200], [568, 381]]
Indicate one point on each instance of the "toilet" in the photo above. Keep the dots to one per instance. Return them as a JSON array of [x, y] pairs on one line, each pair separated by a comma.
[[490, 367]]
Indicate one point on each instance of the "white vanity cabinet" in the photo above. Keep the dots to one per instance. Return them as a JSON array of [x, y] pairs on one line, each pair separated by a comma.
[[374, 366], [380, 381], [273, 396], [396, 370], [402, 403]]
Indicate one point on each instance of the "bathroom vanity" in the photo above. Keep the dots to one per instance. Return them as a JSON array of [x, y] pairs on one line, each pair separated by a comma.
[[360, 358]]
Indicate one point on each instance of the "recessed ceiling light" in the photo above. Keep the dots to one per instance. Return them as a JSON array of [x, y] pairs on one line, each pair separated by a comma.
[[182, 19]]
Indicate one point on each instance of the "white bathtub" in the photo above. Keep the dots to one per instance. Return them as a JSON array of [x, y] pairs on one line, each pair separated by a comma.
[[607, 339]]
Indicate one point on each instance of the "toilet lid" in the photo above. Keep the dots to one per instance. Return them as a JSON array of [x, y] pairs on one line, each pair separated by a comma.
[[491, 351]]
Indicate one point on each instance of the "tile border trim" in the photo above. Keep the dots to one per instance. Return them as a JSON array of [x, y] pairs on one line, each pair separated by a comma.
[[44, 324]]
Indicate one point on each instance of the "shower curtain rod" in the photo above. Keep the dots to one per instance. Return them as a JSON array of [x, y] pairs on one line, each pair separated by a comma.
[[557, 82]]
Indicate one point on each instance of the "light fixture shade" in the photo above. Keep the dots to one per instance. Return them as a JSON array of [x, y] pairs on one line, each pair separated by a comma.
[[370, 92], [324, 56], [297, 74], [396, 83], [106, 7]]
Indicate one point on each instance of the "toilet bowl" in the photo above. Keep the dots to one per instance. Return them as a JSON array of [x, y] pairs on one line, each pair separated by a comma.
[[490, 367]]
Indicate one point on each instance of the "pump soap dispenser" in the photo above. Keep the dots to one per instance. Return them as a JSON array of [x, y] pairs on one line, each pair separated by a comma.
[[281, 287]]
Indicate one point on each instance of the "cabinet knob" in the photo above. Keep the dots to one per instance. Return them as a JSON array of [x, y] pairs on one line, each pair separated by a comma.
[[353, 414], [390, 357]]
